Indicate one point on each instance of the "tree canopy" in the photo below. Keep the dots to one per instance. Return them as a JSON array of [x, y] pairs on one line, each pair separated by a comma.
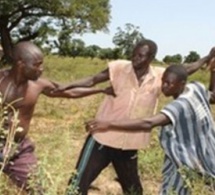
[[30, 19], [177, 58], [192, 57], [126, 39]]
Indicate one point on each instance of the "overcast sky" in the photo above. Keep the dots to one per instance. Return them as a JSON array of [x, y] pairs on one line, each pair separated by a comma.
[[177, 26]]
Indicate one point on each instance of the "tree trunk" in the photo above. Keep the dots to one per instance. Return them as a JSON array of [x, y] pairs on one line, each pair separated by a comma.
[[6, 40]]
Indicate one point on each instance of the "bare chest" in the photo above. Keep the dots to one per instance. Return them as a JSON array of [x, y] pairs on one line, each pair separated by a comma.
[[19, 97]]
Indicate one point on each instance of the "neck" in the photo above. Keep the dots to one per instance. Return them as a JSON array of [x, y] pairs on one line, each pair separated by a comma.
[[179, 93], [141, 71], [16, 77]]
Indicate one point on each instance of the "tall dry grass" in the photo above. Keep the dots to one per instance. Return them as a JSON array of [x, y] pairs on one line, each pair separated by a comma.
[[58, 130]]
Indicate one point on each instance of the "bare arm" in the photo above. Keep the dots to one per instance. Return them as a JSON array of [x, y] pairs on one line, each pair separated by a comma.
[[89, 81], [193, 67], [212, 80], [132, 125], [76, 92], [49, 87]]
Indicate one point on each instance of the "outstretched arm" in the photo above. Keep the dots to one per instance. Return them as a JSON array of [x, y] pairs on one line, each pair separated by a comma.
[[193, 67], [212, 80], [89, 81], [77, 92], [132, 125], [49, 89]]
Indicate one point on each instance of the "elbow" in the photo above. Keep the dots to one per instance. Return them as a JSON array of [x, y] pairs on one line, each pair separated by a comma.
[[149, 126], [146, 125], [93, 82]]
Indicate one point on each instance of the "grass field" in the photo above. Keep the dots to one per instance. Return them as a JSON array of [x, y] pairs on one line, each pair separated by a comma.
[[58, 131]]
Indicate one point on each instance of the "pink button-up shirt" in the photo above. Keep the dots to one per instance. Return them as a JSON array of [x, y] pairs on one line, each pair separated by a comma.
[[132, 101]]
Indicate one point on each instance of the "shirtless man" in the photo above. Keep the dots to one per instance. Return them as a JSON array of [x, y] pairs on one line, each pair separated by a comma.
[[20, 87]]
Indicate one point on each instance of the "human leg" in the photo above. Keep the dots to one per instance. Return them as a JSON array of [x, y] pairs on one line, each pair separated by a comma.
[[92, 160], [126, 167], [22, 164], [172, 180]]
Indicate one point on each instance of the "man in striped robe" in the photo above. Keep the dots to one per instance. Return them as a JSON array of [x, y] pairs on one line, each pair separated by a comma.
[[189, 140], [187, 133]]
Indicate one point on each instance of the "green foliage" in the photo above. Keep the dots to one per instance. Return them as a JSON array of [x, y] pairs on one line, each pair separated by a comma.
[[30, 19], [201, 75], [91, 51], [198, 184], [65, 69], [126, 39], [8, 147], [106, 53], [68, 47], [176, 59], [192, 57]]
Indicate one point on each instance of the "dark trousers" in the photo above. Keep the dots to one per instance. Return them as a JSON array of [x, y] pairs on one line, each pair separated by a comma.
[[95, 157]]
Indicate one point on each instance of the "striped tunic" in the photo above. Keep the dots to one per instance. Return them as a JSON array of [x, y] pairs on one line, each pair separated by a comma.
[[190, 140]]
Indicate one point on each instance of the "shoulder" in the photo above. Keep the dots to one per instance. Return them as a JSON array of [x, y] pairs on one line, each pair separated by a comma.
[[119, 63], [40, 83], [196, 85], [119, 66], [199, 88], [157, 70], [4, 72]]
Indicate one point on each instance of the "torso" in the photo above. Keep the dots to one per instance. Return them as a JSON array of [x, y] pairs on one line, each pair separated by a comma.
[[22, 98], [136, 97]]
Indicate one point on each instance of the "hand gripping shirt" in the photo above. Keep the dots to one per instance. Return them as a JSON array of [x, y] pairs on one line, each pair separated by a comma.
[[132, 101]]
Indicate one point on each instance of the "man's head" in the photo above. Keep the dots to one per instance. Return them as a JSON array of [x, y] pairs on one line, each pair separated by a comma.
[[174, 80], [28, 60], [144, 52]]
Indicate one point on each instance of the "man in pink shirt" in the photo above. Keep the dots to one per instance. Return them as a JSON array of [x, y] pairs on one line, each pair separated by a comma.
[[137, 86], [187, 133]]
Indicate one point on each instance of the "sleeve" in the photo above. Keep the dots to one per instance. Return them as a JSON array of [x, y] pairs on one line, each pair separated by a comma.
[[116, 72], [200, 87], [170, 112]]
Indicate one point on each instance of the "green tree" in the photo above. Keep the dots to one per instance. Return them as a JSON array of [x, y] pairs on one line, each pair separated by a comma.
[[30, 19], [191, 57], [106, 53], [91, 51], [126, 39], [177, 58], [116, 53], [77, 47], [63, 44]]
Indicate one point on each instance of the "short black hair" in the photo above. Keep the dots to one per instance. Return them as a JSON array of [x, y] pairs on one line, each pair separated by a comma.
[[179, 70], [151, 44]]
